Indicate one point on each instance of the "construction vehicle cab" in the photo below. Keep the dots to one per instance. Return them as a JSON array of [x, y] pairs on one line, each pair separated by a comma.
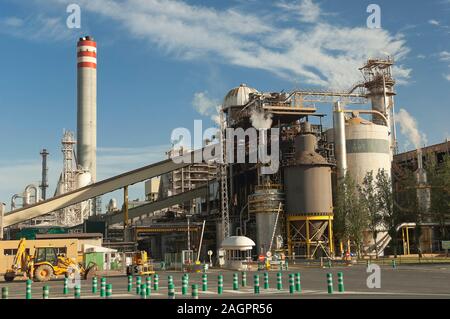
[[140, 265], [45, 264]]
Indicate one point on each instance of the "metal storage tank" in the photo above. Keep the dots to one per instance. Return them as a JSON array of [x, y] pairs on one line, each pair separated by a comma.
[[235, 99], [367, 147], [309, 203], [265, 204]]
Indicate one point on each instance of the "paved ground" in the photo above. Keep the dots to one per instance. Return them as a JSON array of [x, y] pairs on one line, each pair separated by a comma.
[[407, 281]]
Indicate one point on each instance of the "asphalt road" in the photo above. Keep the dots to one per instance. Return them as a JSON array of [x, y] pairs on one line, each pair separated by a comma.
[[407, 281]]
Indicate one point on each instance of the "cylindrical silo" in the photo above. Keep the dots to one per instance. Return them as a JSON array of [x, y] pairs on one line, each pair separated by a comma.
[[87, 104], [367, 148], [309, 205]]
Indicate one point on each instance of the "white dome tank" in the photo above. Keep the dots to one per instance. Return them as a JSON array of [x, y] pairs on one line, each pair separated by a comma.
[[367, 148], [238, 96]]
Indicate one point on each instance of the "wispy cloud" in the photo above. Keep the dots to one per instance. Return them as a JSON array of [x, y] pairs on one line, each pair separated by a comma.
[[39, 27], [433, 22], [444, 56], [324, 54], [305, 10]]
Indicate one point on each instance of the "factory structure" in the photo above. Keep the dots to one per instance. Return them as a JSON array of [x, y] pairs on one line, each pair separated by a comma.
[[234, 209]]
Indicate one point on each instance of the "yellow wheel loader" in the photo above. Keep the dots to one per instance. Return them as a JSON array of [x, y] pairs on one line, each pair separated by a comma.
[[45, 264]]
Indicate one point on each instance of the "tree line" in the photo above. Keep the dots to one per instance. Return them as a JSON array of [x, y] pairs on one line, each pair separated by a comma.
[[379, 204]]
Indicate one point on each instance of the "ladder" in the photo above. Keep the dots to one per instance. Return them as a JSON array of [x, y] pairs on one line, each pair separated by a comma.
[[224, 181]]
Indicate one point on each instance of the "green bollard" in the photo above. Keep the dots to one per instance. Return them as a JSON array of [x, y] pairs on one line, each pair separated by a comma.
[[184, 285], [148, 286], [77, 292], [28, 289], [298, 286], [171, 291], [66, 286], [143, 291], [235, 281], [394, 265], [5, 294], [291, 284], [109, 291], [45, 292], [286, 264], [279, 281], [220, 285], [256, 284], [244, 279], [340, 282], [103, 287], [194, 291], [204, 282], [280, 266], [266, 280], [130, 283], [138, 285], [156, 282], [94, 285], [330, 283]]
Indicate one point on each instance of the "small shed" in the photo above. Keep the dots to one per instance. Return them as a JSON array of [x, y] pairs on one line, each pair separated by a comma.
[[238, 252], [105, 258]]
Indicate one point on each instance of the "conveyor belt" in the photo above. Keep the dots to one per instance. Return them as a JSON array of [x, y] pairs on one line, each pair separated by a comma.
[[102, 187], [200, 191]]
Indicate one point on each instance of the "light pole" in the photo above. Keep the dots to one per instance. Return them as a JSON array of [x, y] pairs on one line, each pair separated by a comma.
[[189, 237]]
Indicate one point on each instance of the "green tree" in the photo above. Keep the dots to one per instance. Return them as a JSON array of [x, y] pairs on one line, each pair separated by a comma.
[[385, 198], [350, 219], [439, 181], [371, 206]]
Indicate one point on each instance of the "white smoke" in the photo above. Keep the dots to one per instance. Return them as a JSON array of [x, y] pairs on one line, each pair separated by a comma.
[[261, 120], [408, 127], [207, 106]]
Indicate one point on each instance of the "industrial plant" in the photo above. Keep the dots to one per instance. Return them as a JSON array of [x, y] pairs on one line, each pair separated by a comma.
[[233, 214]]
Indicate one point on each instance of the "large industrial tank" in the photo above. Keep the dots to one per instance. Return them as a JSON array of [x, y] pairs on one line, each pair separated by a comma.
[[265, 204], [367, 147], [309, 205]]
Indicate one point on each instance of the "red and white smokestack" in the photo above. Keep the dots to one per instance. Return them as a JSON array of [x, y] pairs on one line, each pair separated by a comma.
[[87, 105]]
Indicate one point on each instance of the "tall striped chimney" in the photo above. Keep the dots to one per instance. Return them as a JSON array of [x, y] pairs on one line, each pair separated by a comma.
[[87, 105]]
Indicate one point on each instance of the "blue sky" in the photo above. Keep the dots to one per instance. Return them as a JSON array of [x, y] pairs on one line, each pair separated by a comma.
[[162, 64]]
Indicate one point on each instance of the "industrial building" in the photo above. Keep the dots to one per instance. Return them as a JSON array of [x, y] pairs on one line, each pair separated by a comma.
[[192, 208]]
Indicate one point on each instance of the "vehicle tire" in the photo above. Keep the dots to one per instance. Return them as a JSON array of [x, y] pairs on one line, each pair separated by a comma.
[[43, 273], [9, 276], [91, 272]]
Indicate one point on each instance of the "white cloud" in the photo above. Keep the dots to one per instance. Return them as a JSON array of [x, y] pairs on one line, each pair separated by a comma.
[[433, 22], [309, 11], [324, 55], [447, 77], [13, 22], [421, 56], [39, 27], [305, 10], [444, 56]]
